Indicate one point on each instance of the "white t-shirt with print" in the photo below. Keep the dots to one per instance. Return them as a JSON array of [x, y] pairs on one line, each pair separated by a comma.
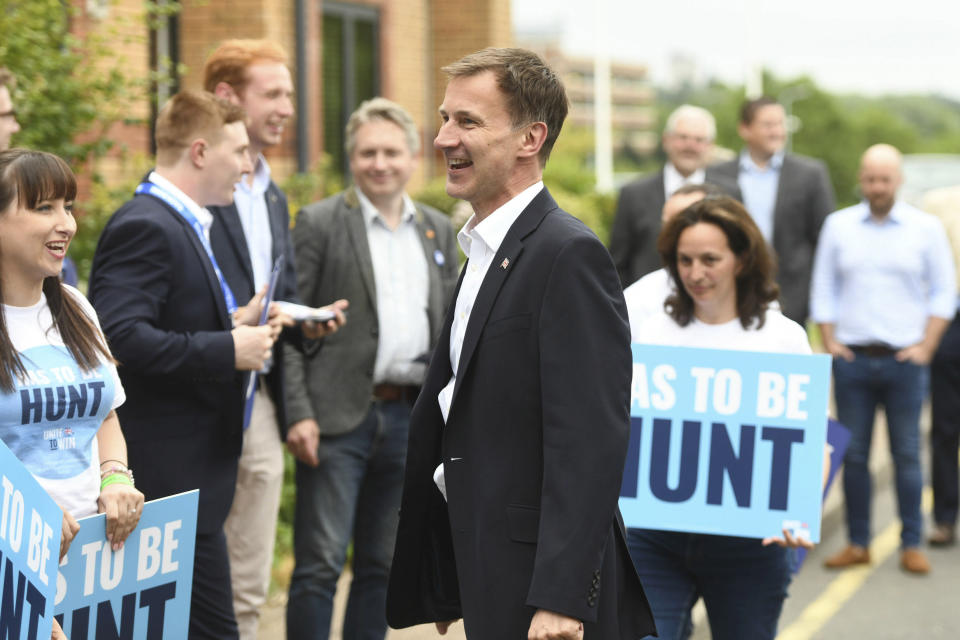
[[50, 420]]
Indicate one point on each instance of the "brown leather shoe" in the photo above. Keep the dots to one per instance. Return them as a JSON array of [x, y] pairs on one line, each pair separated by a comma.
[[943, 535], [914, 561], [852, 555]]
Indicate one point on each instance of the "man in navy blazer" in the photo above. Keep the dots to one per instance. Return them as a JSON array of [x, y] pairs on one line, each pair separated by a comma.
[[509, 514], [182, 343]]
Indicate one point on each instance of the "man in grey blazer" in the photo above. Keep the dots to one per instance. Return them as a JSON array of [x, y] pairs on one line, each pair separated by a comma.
[[789, 196], [688, 143], [396, 262]]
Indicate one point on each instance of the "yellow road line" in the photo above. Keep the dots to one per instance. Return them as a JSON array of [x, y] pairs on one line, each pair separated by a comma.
[[821, 610]]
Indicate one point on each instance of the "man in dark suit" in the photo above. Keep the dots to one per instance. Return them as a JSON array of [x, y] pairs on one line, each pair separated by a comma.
[[788, 195], [509, 516], [248, 236], [396, 261], [166, 311], [688, 143]]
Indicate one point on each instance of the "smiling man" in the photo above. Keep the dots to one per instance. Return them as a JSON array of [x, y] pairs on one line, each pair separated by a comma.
[[248, 235], [517, 443], [396, 261]]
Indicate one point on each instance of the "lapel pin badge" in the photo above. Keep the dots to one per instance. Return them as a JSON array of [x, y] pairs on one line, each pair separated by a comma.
[[431, 234], [438, 256], [505, 263]]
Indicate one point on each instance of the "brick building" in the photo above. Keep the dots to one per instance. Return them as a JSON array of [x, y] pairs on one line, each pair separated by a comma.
[[341, 53]]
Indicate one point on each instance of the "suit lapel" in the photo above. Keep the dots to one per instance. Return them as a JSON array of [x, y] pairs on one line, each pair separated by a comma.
[[778, 211], [357, 230], [504, 263], [428, 241], [212, 280], [277, 218], [229, 219]]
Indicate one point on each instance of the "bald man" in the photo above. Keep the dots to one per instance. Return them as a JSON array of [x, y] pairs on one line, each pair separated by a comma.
[[883, 293], [8, 115]]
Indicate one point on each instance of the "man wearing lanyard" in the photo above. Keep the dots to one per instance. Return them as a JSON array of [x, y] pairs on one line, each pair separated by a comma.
[[248, 236], [182, 342]]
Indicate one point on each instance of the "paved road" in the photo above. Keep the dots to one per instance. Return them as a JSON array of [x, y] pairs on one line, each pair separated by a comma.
[[879, 602]]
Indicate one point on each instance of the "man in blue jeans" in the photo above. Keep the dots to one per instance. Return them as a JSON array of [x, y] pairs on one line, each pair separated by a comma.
[[883, 293], [350, 399]]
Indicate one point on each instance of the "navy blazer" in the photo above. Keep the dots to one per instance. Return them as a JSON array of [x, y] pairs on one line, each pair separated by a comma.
[[164, 315], [233, 257], [533, 449]]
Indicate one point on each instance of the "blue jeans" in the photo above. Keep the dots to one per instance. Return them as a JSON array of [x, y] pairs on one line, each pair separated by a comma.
[[355, 491], [860, 386], [743, 583]]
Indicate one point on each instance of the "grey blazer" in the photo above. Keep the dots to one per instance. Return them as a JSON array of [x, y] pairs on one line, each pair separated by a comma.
[[804, 199], [332, 380], [636, 226]]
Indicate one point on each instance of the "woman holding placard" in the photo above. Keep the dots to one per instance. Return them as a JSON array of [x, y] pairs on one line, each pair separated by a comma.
[[58, 381], [724, 299]]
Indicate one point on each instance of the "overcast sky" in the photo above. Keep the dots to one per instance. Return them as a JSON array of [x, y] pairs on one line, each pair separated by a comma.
[[866, 46]]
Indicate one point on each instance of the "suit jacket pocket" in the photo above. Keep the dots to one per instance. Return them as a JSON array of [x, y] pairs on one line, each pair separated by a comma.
[[523, 523], [508, 324]]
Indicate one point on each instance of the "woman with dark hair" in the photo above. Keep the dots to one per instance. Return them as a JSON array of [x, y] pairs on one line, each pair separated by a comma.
[[58, 382], [724, 289]]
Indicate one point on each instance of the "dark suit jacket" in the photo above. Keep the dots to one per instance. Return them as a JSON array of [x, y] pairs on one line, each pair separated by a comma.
[[230, 247], [333, 385], [636, 226], [804, 199], [533, 449], [163, 312]]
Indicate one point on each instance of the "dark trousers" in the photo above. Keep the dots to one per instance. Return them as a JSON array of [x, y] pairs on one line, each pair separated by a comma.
[[945, 427], [211, 604]]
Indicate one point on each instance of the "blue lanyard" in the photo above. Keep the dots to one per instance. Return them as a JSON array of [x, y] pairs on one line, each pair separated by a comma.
[[160, 193]]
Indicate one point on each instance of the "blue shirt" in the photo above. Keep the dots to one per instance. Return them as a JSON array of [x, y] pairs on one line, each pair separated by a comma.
[[879, 281], [759, 189]]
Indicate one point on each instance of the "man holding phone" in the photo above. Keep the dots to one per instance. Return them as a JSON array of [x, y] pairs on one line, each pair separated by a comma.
[[396, 261]]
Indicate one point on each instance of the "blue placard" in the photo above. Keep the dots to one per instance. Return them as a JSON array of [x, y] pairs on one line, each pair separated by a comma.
[[30, 523], [726, 442], [141, 591]]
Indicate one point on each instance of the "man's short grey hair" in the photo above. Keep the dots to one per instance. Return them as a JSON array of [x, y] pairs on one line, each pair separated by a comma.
[[692, 112], [381, 109]]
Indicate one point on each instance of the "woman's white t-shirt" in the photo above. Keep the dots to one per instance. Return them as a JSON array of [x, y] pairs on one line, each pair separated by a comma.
[[50, 420], [779, 334]]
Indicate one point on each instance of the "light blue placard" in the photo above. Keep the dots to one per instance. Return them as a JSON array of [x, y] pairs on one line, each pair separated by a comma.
[[30, 523], [141, 591], [726, 442]]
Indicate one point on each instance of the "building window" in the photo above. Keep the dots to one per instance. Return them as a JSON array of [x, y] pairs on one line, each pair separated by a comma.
[[351, 70], [164, 60]]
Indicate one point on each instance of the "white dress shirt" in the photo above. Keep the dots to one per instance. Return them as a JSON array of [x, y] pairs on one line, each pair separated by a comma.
[[673, 180], [403, 286], [255, 220], [480, 241]]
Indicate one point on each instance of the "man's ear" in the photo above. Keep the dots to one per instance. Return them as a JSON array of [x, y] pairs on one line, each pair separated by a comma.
[[227, 92], [533, 139], [198, 153]]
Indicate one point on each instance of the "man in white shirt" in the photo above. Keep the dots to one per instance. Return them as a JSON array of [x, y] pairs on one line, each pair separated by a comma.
[[396, 261], [688, 143], [509, 517], [248, 236]]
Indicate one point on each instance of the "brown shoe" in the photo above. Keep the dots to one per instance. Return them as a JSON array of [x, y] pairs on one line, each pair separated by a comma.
[[852, 555], [914, 561], [943, 535]]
